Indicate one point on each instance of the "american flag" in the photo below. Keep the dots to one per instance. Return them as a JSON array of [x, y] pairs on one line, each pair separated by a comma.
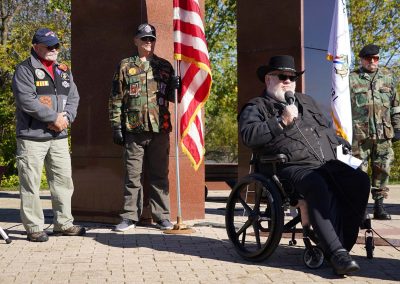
[[190, 50]]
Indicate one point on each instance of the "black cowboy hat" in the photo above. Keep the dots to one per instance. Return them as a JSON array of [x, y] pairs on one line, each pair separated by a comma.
[[279, 62]]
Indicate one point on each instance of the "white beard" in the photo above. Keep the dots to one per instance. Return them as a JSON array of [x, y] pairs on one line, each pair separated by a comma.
[[277, 88], [277, 92], [51, 57]]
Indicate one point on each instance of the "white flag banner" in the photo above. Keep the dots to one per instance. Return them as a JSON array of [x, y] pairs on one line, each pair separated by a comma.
[[339, 52]]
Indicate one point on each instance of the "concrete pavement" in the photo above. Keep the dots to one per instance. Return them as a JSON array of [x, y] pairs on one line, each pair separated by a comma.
[[146, 255]]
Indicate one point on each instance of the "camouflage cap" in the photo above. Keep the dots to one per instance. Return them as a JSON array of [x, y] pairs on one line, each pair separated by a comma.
[[146, 30], [368, 50]]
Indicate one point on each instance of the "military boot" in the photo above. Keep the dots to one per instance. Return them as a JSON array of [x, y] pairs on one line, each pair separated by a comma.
[[379, 211]]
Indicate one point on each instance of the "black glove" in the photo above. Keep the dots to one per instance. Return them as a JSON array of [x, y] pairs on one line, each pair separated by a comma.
[[176, 83], [345, 143], [118, 137], [396, 136]]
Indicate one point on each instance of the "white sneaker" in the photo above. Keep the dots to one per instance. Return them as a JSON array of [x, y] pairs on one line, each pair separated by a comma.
[[164, 225], [125, 225]]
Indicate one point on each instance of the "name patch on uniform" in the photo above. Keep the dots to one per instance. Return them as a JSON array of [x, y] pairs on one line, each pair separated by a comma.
[[39, 73], [42, 83]]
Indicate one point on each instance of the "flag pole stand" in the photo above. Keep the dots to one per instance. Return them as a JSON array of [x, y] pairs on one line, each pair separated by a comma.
[[179, 228]]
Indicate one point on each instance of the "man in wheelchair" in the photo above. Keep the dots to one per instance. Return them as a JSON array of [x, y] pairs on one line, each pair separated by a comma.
[[281, 121]]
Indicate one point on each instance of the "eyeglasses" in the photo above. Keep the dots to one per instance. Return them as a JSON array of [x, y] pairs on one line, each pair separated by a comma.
[[373, 57], [56, 46], [147, 38], [284, 77]]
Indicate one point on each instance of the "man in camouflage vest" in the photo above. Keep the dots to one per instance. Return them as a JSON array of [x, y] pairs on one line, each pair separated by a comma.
[[142, 87], [376, 121]]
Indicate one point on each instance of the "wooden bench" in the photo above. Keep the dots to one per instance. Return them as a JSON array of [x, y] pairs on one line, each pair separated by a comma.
[[221, 172]]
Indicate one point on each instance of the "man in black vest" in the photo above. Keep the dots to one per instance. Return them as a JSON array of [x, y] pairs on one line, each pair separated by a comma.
[[282, 121], [46, 100]]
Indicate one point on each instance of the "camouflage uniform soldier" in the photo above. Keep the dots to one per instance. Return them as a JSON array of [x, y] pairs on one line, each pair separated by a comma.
[[376, 121], [143, 86]]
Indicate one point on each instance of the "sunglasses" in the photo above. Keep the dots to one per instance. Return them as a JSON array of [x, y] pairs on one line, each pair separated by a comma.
[[56, 46], [284, 77], [148, 38], [370, 58]]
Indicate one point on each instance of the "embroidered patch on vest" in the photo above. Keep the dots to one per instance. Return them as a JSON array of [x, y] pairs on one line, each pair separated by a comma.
[[65, 76], [134, 89], [62, 67], [42, 83], [39, 73], [65, 84], [46, 100], [132, 71]]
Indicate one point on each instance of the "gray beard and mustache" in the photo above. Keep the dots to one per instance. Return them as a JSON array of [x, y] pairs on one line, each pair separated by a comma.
[[278, 92]]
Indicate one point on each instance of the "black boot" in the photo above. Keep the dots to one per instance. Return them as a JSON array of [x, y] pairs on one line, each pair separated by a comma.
[[379, 211], [342, 262]]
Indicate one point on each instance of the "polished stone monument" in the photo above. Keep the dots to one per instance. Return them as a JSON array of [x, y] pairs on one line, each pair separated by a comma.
[[102, 35]]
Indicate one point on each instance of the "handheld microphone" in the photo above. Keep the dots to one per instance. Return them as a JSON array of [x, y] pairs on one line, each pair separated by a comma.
[[289, 97]]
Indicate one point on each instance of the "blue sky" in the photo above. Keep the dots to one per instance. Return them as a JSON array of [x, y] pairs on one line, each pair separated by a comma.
[[317, 25]]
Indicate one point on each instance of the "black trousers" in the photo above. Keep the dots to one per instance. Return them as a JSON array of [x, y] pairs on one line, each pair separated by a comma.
[[337, 197]]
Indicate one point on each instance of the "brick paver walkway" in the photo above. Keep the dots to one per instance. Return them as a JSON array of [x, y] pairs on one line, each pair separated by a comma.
[[146, 255]]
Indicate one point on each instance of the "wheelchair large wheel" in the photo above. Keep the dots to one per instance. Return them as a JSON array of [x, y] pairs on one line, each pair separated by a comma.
[[254, 217]]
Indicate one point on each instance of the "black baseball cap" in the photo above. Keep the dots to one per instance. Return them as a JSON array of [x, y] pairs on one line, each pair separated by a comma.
[[144, 30], [46, 37]]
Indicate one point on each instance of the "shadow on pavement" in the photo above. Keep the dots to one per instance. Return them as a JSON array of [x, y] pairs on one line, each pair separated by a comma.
[[10, 215], [15, 195], [285, 257], [5, 194]]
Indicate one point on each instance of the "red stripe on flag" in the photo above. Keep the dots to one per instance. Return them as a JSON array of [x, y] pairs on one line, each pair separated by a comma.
[[190, 52], [188, 5], [196, 81], [189, 29], [188, 78], [190, 145], [198, 98], [198, 124]]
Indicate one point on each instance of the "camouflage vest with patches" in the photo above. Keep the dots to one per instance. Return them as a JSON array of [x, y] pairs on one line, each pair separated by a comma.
[[140, 95], [375, 104]]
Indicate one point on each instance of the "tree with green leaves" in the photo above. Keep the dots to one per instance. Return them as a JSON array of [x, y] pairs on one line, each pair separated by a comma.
[[221, 126], [377, 22]]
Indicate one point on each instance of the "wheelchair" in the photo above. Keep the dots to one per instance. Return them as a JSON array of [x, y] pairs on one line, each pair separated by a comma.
[[255, 215]]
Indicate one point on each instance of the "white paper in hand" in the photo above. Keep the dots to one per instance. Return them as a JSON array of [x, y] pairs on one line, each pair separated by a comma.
[[347, 159]]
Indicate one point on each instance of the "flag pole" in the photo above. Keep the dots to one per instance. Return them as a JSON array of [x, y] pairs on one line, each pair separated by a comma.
[[179, 227]]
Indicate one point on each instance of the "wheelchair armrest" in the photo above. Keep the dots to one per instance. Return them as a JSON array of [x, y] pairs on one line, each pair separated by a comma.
[[271, 159]]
